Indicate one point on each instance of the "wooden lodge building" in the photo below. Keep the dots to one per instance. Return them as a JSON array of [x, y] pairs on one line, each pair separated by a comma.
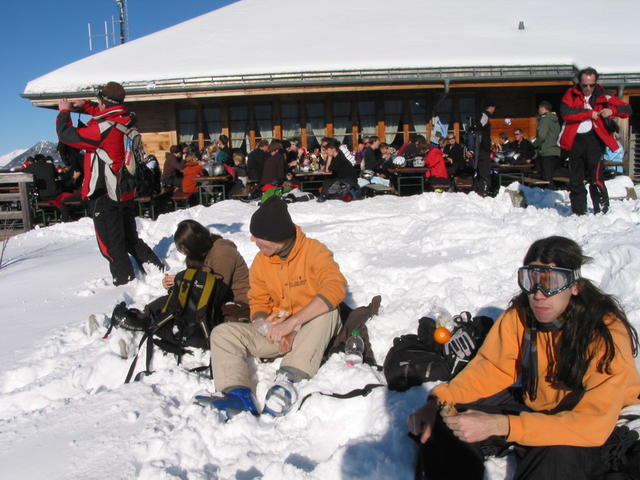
[[199, 79]]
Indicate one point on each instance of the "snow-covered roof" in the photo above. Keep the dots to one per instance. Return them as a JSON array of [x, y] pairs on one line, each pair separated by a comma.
[[253, 38]]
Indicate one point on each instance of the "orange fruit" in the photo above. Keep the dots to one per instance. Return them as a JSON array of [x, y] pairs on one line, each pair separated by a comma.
[[441, 335]]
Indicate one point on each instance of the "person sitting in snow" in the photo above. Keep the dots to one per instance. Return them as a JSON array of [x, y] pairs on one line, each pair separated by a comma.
[[571, 348], [210, 253], [295, 289]]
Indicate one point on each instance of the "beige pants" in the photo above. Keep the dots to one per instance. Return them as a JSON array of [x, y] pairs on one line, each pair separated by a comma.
[[232, 343]]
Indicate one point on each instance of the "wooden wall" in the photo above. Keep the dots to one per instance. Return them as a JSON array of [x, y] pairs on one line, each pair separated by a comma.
[[157, 125]]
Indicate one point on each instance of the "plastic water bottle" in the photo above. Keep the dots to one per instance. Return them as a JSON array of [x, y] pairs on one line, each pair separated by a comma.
[[354, 349]]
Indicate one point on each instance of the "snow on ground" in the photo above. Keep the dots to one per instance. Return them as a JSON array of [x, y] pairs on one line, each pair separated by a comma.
[[65, 413]]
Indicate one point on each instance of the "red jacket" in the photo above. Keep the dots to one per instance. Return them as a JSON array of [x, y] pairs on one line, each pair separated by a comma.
[[101, 142], [573, 112], [434, 161]]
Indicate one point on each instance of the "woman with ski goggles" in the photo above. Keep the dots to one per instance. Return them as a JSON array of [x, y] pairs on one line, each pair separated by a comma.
[[552, 377]]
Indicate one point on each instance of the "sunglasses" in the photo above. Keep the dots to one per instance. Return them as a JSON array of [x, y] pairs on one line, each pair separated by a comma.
[[549, 280], [585, 85]]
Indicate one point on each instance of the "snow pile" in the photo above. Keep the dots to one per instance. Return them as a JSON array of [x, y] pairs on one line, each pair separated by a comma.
[[65, 413], [315, 34]]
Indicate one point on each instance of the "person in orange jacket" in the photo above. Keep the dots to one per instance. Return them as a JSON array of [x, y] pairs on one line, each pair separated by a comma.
[[192, 170], [295, 287], [571, 348]]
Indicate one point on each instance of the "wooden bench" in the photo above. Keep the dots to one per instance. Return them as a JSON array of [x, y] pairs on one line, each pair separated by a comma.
[[146, 204], [373, 189], [181, 199], [462, 184], [535, 182]]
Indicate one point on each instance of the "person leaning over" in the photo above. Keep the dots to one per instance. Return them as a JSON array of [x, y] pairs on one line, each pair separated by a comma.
[[571, 348], [173, 166], [586, 109], [295, 285], [110, 203]]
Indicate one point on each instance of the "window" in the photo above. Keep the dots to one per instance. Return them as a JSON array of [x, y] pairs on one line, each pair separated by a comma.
[[239, 126], [342, 122], [418, 116], [187, 124], [367, 118], [466, 109], [212, 122], [264, 122], [290, 121], [315, 124], [393, 122]]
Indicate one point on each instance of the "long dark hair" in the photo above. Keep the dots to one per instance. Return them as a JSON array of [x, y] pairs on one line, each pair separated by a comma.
[[583, 319], [194, 240]]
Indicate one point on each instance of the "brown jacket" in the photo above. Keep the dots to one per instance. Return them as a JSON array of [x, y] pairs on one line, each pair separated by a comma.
[[290, 284], [226, 263], [588, 424], [172, 165]]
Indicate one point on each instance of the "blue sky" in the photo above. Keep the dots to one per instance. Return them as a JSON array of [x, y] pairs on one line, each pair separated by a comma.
[[42, 35]]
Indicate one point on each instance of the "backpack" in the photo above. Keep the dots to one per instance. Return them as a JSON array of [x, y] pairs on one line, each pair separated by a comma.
[[182, 319], [135, 174], [351, 320], [415, 359]]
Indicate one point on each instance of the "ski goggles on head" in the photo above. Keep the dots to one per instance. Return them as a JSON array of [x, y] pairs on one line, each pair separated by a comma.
[[549, 280]]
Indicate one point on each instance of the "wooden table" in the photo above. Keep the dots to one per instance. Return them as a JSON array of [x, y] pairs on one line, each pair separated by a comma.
[[311, 181], [409, 178], [212, 188], [511, 172]]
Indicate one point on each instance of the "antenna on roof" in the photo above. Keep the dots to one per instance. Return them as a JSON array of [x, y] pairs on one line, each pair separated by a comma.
[[122, 21]]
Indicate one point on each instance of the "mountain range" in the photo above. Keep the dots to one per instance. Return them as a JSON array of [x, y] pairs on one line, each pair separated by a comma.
[[43, 147]]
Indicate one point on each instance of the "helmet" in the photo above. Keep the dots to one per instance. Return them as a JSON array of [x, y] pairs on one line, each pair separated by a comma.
[[217, 169], [367, 174], [418, 162], [400, 161]]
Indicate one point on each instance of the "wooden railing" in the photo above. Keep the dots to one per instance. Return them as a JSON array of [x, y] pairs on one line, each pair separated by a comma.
[[13, 188]]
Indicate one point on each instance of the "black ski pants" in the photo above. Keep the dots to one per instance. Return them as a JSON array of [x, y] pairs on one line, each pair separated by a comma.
[[548, 166], [483, 172], [445, 457], [585, 163], [115, 226]]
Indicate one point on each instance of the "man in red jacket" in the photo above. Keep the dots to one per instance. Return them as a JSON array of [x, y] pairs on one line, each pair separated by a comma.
[[111, 203], [587, 110]]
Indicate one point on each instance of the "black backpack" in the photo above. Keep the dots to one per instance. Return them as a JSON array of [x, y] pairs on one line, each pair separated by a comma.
[[415, 359], [135, 175], [184, 318]]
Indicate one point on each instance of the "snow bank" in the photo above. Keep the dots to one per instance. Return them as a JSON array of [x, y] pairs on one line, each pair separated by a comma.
[[61, 391]]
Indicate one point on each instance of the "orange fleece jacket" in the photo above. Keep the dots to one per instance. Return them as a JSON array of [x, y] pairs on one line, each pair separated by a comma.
[[588, 424], [290, 284]]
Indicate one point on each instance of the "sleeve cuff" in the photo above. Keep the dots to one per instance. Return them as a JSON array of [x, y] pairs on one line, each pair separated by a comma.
[[515, 429], [326, 301]]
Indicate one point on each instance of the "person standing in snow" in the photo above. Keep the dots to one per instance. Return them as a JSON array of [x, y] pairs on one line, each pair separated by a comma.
[[588, 111], [546, 142], [483, 150], [295, 287], [110, 204], [571, 348]]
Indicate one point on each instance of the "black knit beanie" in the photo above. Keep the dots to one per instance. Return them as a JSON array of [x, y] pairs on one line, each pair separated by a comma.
[[272, 221]]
